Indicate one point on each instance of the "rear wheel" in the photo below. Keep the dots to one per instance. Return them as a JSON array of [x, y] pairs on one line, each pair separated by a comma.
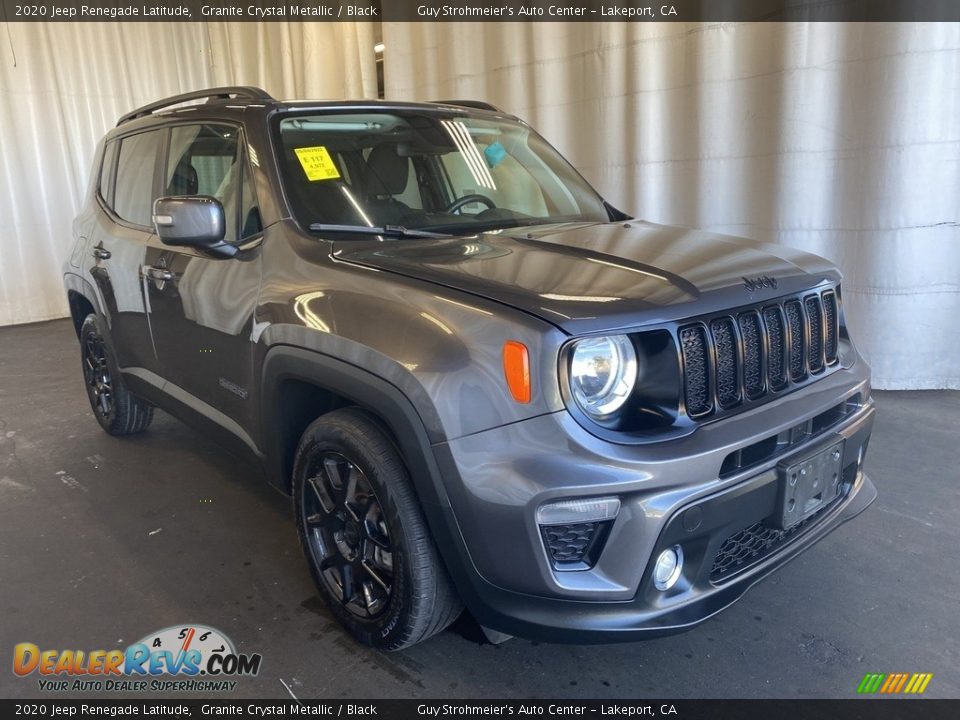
[[118, 411], [364, 536]]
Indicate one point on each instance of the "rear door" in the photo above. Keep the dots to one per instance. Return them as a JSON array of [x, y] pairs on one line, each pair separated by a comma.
[[119, 240], [201, 308]]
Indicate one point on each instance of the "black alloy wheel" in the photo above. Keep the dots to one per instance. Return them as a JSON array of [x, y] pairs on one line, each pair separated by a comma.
[[96, 372], [364, 534], [118, 411], [348, 535]]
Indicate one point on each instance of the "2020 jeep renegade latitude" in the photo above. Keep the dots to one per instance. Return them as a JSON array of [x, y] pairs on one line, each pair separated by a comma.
[[480, 383]]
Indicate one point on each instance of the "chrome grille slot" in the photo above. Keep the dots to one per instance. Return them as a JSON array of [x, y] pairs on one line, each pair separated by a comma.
[[830, 327], [795, 324], [777, 342], [815, 326], [751, 335], [696, 373], [728, 363]]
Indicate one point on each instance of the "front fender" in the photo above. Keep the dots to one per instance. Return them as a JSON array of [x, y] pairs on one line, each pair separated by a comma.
[[403, 422]]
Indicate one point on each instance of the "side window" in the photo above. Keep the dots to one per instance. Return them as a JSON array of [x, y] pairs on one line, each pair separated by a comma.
[[133, 188], [205, 160], [105, 187]]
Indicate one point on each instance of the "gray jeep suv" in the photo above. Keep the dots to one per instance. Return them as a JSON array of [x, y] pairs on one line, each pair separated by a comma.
[[481, 384]]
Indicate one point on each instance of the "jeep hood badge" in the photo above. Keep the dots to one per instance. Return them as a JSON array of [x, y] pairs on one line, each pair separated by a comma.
[[752, 284]]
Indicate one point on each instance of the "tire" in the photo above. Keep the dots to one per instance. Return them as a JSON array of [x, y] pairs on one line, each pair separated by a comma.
[[364, 536], [118, 411]]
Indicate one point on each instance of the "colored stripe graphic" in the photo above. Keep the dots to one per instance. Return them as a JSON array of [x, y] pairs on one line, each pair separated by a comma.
[[890, 682], [894, 683], [870, 683]]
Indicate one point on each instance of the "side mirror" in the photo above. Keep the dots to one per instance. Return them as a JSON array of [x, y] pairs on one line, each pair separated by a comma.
[[195, 221]]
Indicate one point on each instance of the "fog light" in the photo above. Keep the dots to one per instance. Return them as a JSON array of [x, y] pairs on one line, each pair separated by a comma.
[[667, 570]]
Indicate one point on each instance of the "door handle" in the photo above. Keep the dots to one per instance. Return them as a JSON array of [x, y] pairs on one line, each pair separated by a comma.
[[100, 254], [157, 273]]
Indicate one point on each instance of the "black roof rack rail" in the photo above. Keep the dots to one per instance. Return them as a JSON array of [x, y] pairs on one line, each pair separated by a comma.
[[220, 93], [478, 104]]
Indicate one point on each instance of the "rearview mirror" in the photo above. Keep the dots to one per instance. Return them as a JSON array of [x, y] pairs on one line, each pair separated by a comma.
[[196, 221]]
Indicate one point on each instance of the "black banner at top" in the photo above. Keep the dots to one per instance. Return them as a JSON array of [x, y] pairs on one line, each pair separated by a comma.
[[479, 10]]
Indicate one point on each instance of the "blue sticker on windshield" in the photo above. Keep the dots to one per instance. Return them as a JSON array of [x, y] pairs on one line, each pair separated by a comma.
[[495, 154]]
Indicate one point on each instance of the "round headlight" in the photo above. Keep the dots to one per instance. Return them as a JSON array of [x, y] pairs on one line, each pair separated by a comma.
[[603, 372]]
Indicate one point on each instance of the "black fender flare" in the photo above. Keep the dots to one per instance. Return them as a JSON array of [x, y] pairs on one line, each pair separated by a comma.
[[79, 285], [361, 388], [403, 424]]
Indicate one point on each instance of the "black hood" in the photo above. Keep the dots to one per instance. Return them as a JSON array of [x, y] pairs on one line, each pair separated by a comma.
[[602, 276]]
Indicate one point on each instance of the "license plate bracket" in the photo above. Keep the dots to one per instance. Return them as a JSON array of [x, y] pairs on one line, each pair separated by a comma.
[[808, 485]]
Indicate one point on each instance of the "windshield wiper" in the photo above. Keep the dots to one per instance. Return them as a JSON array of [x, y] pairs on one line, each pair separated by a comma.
[[494, 225], [386, 230]]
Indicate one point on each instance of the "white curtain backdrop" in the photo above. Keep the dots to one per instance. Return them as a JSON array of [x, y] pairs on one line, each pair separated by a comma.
[[841, 139], [63, 85]]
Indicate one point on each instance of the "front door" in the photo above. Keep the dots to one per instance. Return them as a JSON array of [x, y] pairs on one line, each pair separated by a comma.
[[118, 246], [201, 308]]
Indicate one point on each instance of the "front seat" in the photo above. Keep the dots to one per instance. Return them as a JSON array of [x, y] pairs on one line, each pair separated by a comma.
[[386, 176], [185, 180]]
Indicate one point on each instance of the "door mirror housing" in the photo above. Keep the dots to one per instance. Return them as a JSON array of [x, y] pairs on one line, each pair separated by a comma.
[[196, 221]]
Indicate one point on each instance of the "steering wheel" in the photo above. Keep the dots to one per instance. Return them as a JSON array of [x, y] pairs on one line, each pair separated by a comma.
[[460, 202]]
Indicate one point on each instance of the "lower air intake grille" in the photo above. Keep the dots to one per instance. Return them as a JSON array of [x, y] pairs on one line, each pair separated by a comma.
[[753, 544], [693, 344], [745, 547], [575, 546], [569, 543]]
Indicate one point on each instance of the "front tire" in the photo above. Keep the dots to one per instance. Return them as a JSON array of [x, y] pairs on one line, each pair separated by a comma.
[[364, 536], [118, 411]]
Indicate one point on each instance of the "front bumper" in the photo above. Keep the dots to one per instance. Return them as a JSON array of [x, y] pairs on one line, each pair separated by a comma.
[[496, 480]]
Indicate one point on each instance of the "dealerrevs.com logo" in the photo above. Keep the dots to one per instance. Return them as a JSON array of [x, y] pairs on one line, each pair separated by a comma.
[[191, 658]]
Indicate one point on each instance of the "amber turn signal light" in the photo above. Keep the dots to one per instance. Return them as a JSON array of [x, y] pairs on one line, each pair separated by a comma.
[[516, 368]]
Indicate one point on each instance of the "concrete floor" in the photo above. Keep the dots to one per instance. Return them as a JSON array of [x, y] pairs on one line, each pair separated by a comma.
[[103, 540]]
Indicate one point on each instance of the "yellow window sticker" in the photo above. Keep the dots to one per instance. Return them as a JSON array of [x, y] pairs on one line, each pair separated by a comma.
[[317, 163]]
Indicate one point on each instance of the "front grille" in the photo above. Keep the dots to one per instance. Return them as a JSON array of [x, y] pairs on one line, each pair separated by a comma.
[[727, 361]]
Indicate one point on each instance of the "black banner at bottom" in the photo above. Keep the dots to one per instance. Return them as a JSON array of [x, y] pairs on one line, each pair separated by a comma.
[[857, 709]]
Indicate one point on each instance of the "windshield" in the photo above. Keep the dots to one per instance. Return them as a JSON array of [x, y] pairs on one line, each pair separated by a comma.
[[426, 170]]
